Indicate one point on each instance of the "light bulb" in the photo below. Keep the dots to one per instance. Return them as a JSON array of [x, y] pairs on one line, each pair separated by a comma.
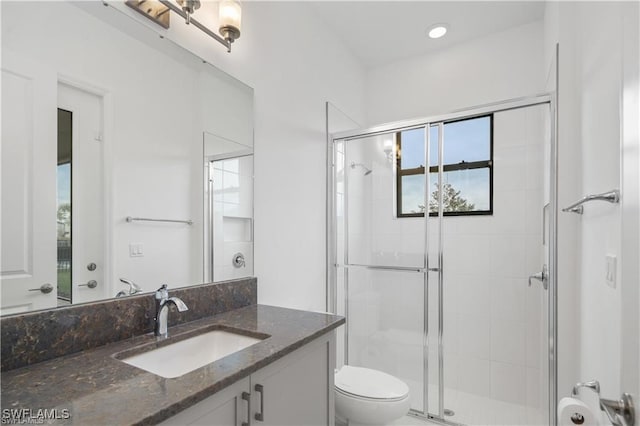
[[230, 18], [438, 31]]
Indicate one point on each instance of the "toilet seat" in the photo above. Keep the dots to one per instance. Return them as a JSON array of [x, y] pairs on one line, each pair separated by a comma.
[[368, 384]]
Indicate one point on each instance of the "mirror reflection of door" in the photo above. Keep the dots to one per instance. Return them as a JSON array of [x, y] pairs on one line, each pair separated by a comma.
[[28, 274], [80, 202]]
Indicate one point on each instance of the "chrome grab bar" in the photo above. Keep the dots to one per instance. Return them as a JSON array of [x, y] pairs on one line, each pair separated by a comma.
[[390, 268], [612, 196]]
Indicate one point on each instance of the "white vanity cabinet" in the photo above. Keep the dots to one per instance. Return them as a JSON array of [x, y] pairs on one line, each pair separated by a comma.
[[228, 407], [294, 390]]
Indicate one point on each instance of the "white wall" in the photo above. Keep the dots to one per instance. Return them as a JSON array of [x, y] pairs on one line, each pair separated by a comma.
[[592, 89], [493, 68], [630, 268], [294, 65]]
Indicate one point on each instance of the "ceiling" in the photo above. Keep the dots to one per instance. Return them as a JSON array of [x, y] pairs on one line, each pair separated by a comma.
[[380, 32]]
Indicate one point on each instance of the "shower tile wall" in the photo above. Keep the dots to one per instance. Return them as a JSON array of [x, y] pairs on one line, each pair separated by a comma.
[[493, 342], [233, 212]]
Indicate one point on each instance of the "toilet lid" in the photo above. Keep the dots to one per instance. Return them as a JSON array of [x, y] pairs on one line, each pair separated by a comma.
[[369, 383]]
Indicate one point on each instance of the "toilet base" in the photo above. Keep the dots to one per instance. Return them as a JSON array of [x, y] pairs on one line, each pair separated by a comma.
[[362, 412]]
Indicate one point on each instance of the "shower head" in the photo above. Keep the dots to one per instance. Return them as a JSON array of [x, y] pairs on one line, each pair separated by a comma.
[[367, 171]]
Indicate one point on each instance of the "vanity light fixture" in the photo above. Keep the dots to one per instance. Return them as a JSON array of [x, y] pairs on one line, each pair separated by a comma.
[[229, 16], [437, 30]]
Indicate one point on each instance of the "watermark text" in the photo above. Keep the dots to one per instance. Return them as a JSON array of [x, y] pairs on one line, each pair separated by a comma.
[[31, 416]]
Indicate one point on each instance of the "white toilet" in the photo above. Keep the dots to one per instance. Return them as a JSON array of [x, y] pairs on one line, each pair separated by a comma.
[[369, 397]]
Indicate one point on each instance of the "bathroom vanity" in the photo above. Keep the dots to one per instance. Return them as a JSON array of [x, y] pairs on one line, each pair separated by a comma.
[[284, 377], [274, 395]]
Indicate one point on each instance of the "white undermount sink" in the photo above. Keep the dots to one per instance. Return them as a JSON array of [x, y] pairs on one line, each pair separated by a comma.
[[184, 356]]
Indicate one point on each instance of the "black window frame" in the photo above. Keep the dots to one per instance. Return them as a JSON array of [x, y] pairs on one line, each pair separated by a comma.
[[400, 172]]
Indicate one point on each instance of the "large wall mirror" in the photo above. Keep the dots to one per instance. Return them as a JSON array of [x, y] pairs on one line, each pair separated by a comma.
[[127, 162]]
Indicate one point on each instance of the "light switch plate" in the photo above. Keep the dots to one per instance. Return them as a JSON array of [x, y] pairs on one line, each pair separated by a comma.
[[136, 250], [611, 270]]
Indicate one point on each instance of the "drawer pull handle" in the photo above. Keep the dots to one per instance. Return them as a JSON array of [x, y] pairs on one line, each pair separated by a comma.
[[247, 397], [260, 416]]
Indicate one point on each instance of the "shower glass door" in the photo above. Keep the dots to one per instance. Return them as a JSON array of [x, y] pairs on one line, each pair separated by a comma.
[[441, 300], [380, 261]]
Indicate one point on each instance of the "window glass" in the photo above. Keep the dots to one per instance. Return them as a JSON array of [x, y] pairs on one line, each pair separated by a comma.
[[433, 146], [413, 194], [412, 149], [466, 170], [463, 191], [467, 140]]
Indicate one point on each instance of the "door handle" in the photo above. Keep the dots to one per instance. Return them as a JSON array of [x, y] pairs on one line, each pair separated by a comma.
[[90, 284], [260, 416], [247, 397], [46, 288], [542, 276]]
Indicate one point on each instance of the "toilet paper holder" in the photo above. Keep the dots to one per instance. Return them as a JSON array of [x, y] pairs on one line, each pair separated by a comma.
[[621, 412]]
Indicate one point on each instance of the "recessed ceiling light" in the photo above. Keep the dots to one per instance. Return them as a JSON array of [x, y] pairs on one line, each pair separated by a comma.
[[437, 31]]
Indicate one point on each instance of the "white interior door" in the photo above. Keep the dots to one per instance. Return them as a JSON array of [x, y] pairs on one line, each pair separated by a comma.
[[28, 185], [87, 200]]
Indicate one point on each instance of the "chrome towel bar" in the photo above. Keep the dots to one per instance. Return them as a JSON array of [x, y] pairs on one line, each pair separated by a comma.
[[130, 219], [612, 196]]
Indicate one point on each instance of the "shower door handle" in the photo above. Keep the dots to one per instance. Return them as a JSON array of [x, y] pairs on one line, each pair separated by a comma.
[[542, 276]]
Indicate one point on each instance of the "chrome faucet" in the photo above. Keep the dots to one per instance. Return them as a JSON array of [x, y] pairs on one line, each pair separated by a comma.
[[162, 310], [133, 288]]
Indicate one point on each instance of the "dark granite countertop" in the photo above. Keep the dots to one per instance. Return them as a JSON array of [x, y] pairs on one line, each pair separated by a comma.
[[98, 389]]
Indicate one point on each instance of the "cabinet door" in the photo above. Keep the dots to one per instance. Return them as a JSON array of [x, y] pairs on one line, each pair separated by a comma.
[[225, 408], [297, 389]]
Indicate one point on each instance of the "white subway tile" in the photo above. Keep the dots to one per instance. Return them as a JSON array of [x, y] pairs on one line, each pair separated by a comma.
[[508, 382], [508, 342]]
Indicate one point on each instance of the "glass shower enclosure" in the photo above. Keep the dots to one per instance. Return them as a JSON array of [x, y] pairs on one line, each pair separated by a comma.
[[438, 232]]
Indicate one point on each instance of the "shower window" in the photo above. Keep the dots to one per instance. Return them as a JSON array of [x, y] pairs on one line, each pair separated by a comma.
[[467, 169]]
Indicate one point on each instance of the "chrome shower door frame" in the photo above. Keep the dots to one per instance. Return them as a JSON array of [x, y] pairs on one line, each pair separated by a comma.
[[333, 263]]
